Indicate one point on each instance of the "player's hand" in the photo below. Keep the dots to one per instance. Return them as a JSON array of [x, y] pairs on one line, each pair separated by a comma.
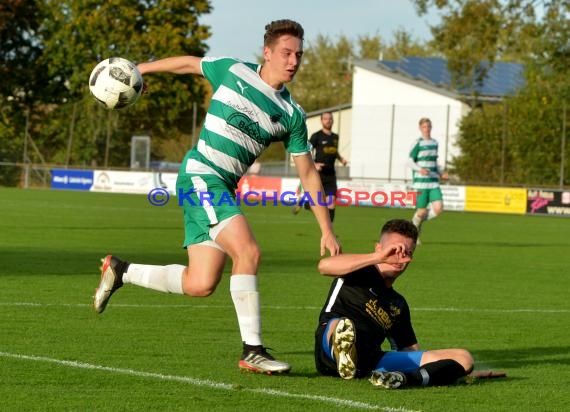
[[444, 176], [424, 172], [395, 253], [319, 166], [330, 242]]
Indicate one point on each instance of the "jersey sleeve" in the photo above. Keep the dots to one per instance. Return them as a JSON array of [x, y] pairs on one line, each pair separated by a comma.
[[413, 156], [215, 68], [297, 143]]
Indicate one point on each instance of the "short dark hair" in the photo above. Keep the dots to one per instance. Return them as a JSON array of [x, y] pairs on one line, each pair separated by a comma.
[[402, 227], [278, 28]]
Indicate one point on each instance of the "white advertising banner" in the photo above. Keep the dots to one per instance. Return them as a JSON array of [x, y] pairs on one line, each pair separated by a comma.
[[132, 182], [453, 197]]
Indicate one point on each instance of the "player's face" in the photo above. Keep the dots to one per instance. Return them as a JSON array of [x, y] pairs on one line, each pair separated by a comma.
[[425, 128], [284, 58], [327, 121], [398, 262]]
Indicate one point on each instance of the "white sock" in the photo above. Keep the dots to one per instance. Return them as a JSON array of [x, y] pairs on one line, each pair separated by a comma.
[[162, 278], [245, 296], [431, 214]]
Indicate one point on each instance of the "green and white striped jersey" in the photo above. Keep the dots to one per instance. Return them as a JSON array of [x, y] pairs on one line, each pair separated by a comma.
[[423, 155], [244, 117]]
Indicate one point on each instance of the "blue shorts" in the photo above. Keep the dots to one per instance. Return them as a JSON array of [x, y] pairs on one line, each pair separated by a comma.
[[400, 361], [388, 361]]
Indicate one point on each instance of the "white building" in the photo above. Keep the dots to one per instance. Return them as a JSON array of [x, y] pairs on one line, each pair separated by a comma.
[[388, 99]]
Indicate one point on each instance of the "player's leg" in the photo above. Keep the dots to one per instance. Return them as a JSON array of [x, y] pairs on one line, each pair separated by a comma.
[[297, 208], [330, 188], [460, 356], [418, 368], [336, 347], [436, 203], [435, 209], [237, 240], [199, 278], [421, 212], [203, 274], [393, 369], [331, 202], [442, 367], [206, 263]]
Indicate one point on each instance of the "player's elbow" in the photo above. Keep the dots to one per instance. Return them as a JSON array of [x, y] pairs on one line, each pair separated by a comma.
[[325, 267]]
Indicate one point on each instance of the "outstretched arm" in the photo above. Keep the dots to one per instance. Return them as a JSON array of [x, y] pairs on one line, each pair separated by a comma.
[[176, 65], [347, 263], [312, 185]]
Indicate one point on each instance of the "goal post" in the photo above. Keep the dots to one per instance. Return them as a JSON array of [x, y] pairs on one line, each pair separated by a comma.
[[140, 152]]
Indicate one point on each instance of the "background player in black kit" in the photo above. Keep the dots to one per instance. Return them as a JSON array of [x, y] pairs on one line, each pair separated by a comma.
[[362, 310], [325, 151]]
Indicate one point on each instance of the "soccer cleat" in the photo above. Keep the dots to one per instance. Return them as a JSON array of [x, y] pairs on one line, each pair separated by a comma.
[[344, 348], [388, 380], [257, 360], [296, 209], [111, 279]]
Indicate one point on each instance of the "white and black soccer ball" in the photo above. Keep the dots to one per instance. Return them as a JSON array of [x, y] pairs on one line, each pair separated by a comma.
[[116, 83]]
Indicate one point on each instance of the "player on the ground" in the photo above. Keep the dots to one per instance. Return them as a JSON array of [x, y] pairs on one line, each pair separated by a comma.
[[426, 174], [362, 310], [250, 108]]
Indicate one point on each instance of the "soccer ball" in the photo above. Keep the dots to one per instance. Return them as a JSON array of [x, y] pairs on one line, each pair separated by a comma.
[[116, 83]]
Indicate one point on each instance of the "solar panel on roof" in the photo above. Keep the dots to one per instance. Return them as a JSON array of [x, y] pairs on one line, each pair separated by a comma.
[[502, 79]]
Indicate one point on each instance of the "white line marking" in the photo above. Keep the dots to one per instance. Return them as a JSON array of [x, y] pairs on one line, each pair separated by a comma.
[[206, 383], [191, 306]]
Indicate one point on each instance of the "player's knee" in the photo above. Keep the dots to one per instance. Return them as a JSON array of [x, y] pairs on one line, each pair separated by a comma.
[[248, 255], [198, 292], [198, 289], [465, 359]]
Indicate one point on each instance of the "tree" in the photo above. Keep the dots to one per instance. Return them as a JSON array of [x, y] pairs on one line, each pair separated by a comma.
[[85, 32], [473, 32], [403, 45], [518, 142], [22, 81], [325, 77]]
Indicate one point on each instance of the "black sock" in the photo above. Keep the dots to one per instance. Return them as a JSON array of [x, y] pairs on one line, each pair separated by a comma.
[[438, 373], [251, 348], [331, 214]]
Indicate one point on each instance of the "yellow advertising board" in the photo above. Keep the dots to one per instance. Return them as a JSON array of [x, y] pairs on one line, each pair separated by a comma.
[[495, 199]]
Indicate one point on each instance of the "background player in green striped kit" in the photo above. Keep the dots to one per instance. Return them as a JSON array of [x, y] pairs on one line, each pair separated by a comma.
[[250, 108], [426, 174]]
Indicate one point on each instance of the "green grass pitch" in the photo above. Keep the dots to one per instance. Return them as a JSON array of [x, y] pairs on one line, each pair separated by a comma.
[[497, 285]]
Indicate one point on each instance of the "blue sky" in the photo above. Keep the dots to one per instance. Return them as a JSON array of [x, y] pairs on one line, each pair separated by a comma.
[[238, 26]]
